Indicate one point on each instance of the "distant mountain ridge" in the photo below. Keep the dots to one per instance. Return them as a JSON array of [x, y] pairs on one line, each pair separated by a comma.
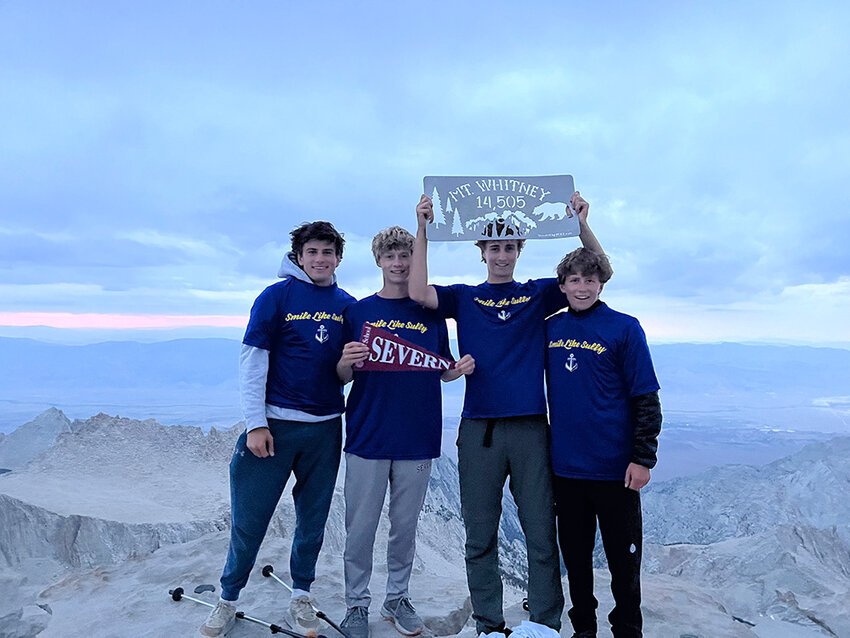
[[27, 363], [727, 376], [21, 446], [195, 382], [184, 381], [683, 367]]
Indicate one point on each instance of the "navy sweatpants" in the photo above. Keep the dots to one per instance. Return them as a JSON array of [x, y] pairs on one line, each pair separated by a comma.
[[311, 452]]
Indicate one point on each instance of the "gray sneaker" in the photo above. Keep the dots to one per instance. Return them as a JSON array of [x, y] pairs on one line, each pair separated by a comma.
[[220, 620], [304, 614], [401, 613], [356, 623]]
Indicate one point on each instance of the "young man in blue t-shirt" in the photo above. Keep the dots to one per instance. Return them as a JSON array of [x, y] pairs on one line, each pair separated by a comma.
[[393, 428], [606, 417], [292, 402], [503, 431]]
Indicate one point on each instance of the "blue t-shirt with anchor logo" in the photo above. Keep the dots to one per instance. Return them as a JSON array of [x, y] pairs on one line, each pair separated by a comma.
[[396, 415], [300, 324], [501, 326], [596, 361]]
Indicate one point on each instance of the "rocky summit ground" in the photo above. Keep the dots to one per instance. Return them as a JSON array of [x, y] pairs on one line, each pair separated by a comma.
[[111, 513]]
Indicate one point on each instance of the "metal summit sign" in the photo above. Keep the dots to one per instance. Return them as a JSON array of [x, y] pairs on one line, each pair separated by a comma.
[[472, 208]]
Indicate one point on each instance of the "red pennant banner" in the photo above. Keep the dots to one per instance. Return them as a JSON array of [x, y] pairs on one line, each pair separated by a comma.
[[389, 353]]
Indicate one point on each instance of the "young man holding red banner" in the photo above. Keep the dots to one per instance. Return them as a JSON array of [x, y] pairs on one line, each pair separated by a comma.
[[503, 431], [393, 430]]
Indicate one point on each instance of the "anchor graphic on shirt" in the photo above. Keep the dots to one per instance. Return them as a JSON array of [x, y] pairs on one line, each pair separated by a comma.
[[503, 315], [571, 364], [322, 333]]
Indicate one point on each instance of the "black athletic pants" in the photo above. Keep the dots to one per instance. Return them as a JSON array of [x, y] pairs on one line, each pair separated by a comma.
[[579, 503]]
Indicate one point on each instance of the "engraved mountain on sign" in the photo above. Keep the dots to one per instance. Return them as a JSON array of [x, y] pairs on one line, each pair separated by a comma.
[[504, 225]]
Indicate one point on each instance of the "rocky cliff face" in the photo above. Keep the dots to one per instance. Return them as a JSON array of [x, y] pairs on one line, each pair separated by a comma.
[[111, 490], [29, 533], [797, 574], [772, 541], [96, 467], [807, 488]]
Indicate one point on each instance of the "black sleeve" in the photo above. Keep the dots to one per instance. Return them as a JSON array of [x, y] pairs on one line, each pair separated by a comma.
[[646, 411]]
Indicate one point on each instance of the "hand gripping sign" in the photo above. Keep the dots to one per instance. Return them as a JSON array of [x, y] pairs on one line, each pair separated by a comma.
[[389, 353], [473, 208]]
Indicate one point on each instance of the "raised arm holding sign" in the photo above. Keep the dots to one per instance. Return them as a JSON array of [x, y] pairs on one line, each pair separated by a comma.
[[503, 431]]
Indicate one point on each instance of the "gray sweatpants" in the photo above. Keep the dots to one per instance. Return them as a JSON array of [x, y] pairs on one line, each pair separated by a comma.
[[365, 488], [516, 447]]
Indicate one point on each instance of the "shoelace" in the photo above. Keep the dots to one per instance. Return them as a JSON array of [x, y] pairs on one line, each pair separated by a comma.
[[406, 604], [355, 612]]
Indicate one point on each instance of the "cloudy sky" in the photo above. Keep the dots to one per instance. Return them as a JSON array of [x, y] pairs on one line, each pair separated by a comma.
[[156, 155]]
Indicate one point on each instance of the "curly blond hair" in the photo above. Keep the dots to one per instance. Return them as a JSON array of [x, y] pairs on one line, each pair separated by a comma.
[[392, 238]]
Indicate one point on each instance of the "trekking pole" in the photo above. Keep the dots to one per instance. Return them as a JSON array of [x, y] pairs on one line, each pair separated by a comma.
[[268, 571], [178, 595]]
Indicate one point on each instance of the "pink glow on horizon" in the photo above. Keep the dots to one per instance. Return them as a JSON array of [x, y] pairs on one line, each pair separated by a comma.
[[118, 322]]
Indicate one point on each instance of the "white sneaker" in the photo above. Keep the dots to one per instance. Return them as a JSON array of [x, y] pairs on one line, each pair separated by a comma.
[[220, 620], [302, 612], [528, 629]]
